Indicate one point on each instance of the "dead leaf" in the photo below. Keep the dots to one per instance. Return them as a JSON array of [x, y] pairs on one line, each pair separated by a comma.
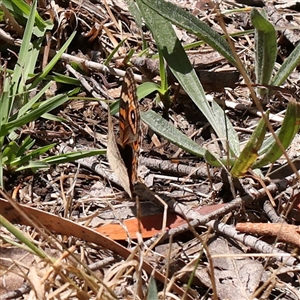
[[236, 277]]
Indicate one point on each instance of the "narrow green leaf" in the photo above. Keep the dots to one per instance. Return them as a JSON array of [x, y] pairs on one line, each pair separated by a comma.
[[215, 161], [5, 101], [63, 79], [34, 166], [250, 153], [24, 60], [9, 152], [23, 159], [27, 106], [54, 118], [22, 9], [114, 107], [53, 61], [163, 74], [26, 145], [115, 50], [61, 158]]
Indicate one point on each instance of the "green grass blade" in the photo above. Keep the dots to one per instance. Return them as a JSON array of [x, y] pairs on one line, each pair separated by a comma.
[[111, 55], [72, 156], [22, 9], [34, 166], [61, 158], [57, 77], [24, 159], [21, 237], [9, 152], [27, 106], [26, 145], [5, 102], [54, 118], [24, 60], [53, 61], [45, 107]]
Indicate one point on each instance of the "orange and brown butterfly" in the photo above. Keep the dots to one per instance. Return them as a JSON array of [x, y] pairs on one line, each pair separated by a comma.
[[123, 156]]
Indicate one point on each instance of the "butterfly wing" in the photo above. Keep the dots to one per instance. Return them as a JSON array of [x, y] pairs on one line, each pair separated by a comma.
[[129, 126], [129, 113], [123, 158]]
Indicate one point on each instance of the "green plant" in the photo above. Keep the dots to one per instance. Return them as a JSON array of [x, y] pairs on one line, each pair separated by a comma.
[[17, 109], [156, 15]]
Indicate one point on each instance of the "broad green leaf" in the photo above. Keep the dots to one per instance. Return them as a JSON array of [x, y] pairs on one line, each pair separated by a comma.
[[288, 130], [215, 161], [289, 64], [179, 64], [135, 13], [152, 290], [250, 153], [232, 136], [265, 47], [169, 132], [186, 20], [147, 88]]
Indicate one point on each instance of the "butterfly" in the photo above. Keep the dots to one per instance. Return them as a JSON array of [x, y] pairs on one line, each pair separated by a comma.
[[123, 156]]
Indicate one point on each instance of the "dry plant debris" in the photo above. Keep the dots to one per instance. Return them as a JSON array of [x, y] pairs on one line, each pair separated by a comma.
[[199, 233]]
